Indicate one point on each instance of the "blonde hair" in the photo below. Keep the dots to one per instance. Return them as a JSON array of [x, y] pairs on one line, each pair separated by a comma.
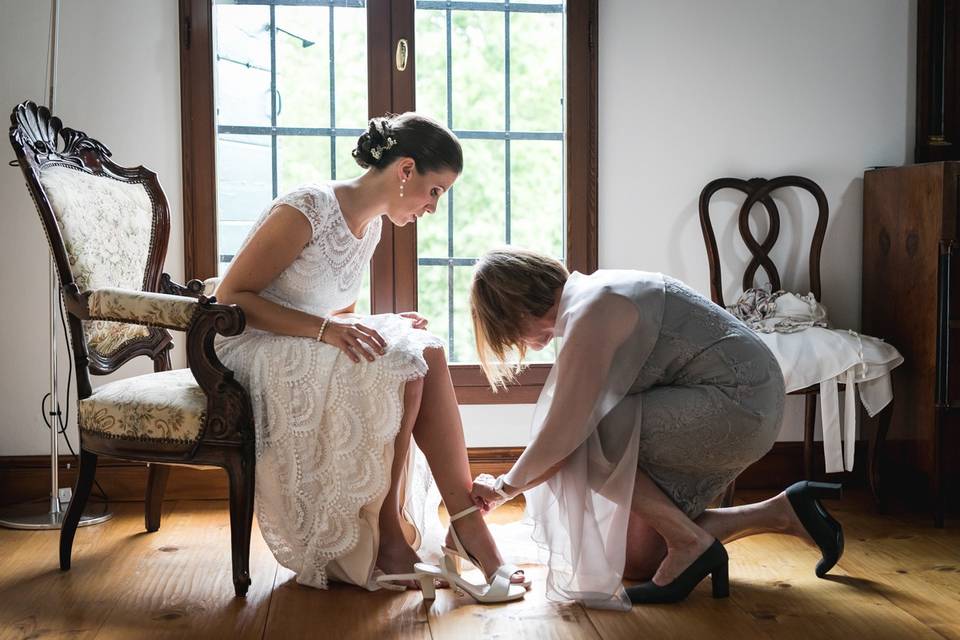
[[508, 286]]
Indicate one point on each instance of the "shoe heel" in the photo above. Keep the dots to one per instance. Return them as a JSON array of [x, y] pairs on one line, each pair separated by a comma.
[[428, 587], [826, 490], [720, 581], [451, 562]]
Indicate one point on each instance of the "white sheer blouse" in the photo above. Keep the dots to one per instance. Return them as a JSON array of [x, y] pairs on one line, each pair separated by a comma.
[[585, 429]]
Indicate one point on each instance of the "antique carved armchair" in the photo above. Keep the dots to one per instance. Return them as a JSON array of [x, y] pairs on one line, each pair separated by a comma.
[[107, 228], [758, 191]]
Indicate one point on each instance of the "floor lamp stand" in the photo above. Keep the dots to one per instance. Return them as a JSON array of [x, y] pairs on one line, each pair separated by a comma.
[[36, 515]]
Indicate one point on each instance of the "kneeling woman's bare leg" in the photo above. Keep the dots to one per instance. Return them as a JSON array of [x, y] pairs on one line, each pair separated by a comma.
[[774, 515], [661, 540], [647, 546], [439, 434]]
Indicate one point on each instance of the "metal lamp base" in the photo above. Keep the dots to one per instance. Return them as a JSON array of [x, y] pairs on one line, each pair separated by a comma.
[[37, 516]]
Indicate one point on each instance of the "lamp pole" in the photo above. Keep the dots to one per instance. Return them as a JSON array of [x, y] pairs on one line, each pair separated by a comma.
[[25, 516]]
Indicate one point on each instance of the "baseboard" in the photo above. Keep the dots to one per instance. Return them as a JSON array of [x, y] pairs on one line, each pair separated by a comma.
[[25, 478]]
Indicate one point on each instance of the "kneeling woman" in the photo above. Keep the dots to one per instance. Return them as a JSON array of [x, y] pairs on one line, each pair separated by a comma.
[[657, 400]]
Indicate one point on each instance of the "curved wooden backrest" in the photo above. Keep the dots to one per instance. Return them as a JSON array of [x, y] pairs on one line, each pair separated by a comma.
[[758, 190], [42, 143]]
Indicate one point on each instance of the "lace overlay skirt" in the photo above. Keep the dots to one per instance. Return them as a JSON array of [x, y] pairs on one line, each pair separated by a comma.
[[325, 430]]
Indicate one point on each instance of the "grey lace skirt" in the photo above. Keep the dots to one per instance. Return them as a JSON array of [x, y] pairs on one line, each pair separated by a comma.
[[724, 414]]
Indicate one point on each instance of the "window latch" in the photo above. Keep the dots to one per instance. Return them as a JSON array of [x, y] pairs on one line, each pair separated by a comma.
[[401, 56]]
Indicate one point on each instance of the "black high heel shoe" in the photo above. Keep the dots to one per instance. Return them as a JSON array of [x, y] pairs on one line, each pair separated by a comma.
[[713, 561], [825, 531]]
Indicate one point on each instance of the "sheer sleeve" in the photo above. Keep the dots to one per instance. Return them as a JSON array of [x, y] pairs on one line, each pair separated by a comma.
[[586, 431], [581, 374]]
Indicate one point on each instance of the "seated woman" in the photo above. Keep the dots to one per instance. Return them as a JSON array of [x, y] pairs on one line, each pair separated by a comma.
[[336, 396], [657, 400]]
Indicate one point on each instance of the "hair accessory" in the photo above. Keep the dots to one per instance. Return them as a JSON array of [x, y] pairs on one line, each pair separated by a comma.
[[323, 325], [378, 150]]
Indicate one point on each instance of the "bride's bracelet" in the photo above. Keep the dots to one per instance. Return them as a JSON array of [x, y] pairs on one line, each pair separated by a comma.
[[323, 325]]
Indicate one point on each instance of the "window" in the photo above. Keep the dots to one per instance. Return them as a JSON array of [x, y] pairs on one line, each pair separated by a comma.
[[275, 92]]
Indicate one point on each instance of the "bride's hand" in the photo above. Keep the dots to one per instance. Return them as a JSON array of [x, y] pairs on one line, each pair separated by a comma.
[[354, 339], [419, 322]]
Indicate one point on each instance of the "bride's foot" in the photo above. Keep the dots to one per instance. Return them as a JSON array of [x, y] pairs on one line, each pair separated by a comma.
[[680, 556], [396, 557], [477, 541]]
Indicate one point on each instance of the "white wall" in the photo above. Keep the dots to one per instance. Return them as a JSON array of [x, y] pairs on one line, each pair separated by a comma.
[[694, 90], [688, 90], [118, 80]]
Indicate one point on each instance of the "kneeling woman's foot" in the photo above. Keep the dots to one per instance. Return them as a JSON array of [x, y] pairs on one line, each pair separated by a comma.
[[711, 562], [825, 532]]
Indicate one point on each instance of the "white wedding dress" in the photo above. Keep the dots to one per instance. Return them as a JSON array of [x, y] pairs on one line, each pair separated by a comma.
[[325, 426]]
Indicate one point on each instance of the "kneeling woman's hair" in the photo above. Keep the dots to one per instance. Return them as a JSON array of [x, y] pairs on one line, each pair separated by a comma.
[[509, 286]]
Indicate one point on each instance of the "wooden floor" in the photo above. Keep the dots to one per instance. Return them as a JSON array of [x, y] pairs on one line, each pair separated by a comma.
[[899, 578]]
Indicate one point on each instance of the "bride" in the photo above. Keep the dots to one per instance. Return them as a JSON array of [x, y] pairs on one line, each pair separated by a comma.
[[341, 492]]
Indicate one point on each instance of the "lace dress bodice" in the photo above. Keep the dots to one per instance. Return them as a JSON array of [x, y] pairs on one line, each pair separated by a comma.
[[327, 274]]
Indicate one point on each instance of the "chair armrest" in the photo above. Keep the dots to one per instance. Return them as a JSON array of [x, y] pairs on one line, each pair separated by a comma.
[[229, 413], [141, 307], [193, 288]]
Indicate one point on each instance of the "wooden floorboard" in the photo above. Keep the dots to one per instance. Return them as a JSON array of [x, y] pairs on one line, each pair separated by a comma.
[[899, 578]]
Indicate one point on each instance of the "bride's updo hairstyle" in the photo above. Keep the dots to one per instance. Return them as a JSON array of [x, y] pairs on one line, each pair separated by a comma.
[[509, 285], [432, 146]]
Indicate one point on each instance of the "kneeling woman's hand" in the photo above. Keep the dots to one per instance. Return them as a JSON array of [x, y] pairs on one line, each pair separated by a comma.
[[354, 339], [485, 494]]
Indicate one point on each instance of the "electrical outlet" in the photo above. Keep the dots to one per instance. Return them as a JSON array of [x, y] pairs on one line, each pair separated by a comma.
[[65, 494]]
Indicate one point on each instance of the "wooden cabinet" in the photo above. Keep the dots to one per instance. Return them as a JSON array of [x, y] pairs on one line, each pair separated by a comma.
[[910, 277]]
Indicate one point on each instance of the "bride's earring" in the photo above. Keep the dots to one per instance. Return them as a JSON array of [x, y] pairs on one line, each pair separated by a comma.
[[402, 182]]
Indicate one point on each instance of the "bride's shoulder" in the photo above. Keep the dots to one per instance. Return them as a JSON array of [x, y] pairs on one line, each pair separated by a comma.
[[314, 201], [308, 198]]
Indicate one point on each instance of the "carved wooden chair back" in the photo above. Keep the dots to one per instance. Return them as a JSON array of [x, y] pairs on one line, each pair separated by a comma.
[[107, 226], [758, 190]]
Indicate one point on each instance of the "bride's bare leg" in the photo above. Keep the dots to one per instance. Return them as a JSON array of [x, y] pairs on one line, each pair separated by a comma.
[[394, 554], [439, 434]]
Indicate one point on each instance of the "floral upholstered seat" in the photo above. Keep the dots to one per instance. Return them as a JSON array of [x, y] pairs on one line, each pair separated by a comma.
[[167, 406]]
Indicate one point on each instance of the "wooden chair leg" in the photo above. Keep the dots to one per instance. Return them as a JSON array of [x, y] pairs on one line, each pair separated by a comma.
[[727, 500], [156, 485], [809, 425], [81, 491], [876, 456], [240, 470]]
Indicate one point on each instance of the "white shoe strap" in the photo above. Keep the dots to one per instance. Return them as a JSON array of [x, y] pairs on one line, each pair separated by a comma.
[[463, 513], [507, 571]]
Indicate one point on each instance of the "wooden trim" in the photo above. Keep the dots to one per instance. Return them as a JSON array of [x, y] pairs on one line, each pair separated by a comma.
[[198, 139], [581, 126], [472, 387], [25, 478]]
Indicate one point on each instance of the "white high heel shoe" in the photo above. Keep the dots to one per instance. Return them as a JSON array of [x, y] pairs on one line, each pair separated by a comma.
[[499, 588]]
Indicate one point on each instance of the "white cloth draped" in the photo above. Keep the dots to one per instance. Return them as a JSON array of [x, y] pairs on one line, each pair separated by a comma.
[[828, 357]]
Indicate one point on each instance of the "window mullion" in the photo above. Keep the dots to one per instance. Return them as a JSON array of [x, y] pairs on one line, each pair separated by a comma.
[[404, 99], [273, 100]]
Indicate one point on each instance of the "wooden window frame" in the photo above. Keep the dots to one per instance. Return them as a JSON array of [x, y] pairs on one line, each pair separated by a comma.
[[393, 274]]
